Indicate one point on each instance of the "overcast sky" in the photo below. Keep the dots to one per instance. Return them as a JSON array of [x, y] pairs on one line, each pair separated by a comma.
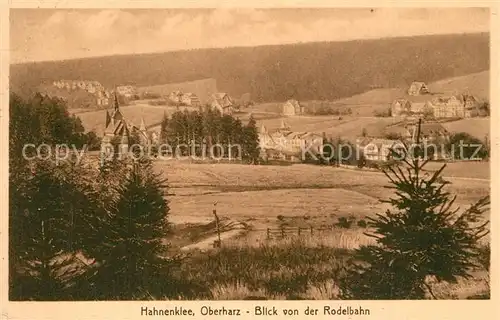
[[46, 34]]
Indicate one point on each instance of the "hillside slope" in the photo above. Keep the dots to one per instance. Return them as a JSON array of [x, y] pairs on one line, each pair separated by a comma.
[[323, 71], [477, 84]]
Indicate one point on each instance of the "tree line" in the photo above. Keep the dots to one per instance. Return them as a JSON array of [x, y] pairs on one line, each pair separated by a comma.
[[192, 133]]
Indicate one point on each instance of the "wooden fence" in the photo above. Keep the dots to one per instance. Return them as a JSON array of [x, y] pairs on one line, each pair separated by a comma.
[[281, 233]]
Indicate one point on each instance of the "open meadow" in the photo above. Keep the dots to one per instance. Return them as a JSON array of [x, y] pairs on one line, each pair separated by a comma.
[[321, 211], [257, 195], [476, 127]]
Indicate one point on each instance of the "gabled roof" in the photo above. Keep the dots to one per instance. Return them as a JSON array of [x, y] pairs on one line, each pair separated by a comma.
[[444, 99], [218, 98], [418, 85], [263, 129], [190, 95], [293, 102], [219, 95], [432, 128], [143, 125], [379, 142], [401, 101]]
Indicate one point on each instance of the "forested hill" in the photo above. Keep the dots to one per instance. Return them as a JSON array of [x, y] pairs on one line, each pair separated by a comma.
[[326, 70]]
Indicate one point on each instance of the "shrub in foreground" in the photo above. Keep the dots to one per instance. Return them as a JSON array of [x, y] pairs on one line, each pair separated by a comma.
[[422, 237]]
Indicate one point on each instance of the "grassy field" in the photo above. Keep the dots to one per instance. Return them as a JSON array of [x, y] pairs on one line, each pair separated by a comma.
[[251, 266], [301, 268], [258, 194], [477, 127]]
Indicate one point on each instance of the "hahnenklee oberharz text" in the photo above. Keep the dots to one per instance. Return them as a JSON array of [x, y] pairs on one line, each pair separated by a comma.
[[256, 311]]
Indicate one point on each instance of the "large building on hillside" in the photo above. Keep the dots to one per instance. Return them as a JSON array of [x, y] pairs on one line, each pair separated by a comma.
[[418, 104], [460, 106], [286, 144], [126, 91], [95, 88], [89, 86]]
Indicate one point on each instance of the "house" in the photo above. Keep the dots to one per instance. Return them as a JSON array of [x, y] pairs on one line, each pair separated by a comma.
[[290, 143], [433, 131], [447, 107], [102, 101], [415, 107], [429, 132], [377, 149], [126, 91], [471, 105], [400, 107], [292, 108], [418, 88], [223, 102], [190, 99], [175, 97]]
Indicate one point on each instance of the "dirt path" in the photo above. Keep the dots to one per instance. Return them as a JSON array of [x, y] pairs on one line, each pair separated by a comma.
[[229, 229]]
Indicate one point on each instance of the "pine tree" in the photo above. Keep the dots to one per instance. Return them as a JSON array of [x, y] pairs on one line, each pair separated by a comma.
[[251, 141], [423, 237], [46, 206], [46, 202], [131, 250]]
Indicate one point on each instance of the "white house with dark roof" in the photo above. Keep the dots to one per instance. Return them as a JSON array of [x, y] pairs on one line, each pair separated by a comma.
[[292, 108], [223, 102], [418, 88]]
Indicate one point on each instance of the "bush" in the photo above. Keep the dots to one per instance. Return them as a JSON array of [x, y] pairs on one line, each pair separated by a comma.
[[362, 223], [463, 146], [343, 222], [383, 114]]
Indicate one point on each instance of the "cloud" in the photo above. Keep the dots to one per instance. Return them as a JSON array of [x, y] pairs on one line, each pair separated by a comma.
[[81, 33]]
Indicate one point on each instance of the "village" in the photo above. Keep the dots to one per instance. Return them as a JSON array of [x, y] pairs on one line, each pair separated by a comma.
[[278, 140]]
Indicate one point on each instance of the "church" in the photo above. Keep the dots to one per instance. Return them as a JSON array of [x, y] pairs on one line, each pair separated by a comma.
[[119, 134]]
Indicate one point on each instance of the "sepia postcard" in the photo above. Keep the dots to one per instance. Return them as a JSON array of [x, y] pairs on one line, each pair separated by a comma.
[[280, 161]]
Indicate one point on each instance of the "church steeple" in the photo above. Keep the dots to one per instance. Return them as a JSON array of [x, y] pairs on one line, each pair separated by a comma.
[[116, 115], [143, 125], [116, 105], [108, 118]]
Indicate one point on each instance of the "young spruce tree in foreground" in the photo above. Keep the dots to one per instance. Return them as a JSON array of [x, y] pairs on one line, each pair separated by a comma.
[[47, 211], [422, 237], [131, 254]]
